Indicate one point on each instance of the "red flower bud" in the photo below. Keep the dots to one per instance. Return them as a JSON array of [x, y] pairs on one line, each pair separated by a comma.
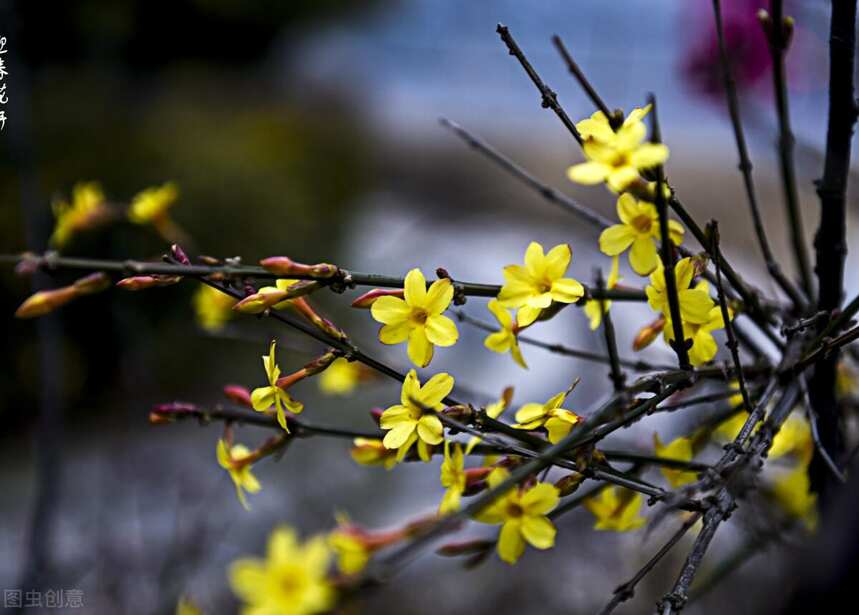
[[238, 395], [367, 299]]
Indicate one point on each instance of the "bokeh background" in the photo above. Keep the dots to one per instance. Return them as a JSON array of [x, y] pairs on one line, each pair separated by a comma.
[[311, 129]]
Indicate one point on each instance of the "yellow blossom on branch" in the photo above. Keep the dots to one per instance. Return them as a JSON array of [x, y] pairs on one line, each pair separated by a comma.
[[293, 578], [186, 607], [505, 339], [557, 421], [452, 478], [639, 229], [616, 157], [212, 307], [263, 398], [534, 286], [341, 377], [522, 515], [679, 449], [592, 306], [598, 127], [792, 491], [237, 461], [704, 346], [417, 317], [616, 509], [372, 452], [695, 303], [414, 419], [88, 209], [152, 204]]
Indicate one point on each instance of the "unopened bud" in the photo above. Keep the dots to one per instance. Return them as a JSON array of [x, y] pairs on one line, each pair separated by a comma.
[[93, 283], [159, 419], [569, 484], [238, 395], [285, 266], [28, 265], [179, 255], [458, 412], [260, 301], [45, 302], [323, 324], [142, 282], [648, 334], [320, 363], [467, 547], [366, 300], [376, 415]]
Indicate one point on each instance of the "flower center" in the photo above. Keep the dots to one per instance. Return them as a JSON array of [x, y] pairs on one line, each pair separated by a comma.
[[419, 316], [514, 510], [642, 223], [544, 286]]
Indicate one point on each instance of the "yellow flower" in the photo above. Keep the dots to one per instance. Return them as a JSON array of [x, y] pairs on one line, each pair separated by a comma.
[[695, 303], [616, 157], [557, 421], [592, 306], [341, 377], [522, 515], [417, 317], [794, 438], [492, 411], [533, 287], [616, 510], [234, 461], [408, 422], [372, 452], [704, 346], [292, 579], [350, 545], [639, 228], [280, 285], [792, 491], [212, 307], [505, 339], [262, 398], [452, 477], [87, 209], [679, 449], [186, 607], [151, 204]]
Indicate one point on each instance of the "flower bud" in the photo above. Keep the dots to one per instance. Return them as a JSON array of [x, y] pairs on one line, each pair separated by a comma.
[[285, 266], [93, 283], [569, 483], [376, 415], [320, 363], [290, 379], [179, 255], [467, 547], [366, 300], [45, 301], [238, 395], [142, 282], [648, 333], [259, 302], [159, 419]]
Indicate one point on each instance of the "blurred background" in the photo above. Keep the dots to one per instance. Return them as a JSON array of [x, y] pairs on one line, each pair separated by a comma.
[[310, 129]]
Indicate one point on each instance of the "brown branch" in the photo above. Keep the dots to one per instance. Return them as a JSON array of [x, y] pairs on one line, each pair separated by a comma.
[[746, 168], [618, 378]]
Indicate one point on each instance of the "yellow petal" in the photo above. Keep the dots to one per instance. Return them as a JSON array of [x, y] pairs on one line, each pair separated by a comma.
[[615, 239], [534, 260], [627, 208], [430, 429], [499, 341], [411, 388], [398, 435], [420, 348], [540, 499], [390, 310], [435, 390], [649, 155], [567, 290], [527, 315], [439, 296], [415, 288], [396, 333], [588, 173], [530, 412], [643, 257], [511, 545], [557, 261], [262, 398], [538, 531], [620, 177], [441, 330], [501, 314]]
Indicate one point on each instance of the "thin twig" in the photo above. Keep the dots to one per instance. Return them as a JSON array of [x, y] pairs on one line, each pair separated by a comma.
[[549, 98], [616, 374], [778, 36], [667, 253], [746, 168], [576, 72], [815, 433]]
